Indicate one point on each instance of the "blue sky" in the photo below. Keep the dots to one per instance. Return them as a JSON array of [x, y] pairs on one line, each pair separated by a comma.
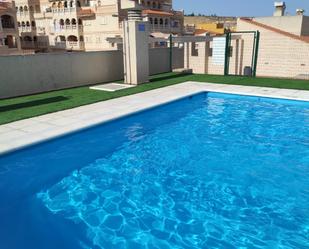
[[237, 7]]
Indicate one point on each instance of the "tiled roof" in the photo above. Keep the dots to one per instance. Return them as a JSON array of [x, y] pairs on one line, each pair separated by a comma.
[[202, 31], [279, 31], [85, 12], [157, 12]]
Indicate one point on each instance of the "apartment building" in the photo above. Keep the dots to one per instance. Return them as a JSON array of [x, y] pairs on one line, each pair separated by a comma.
[[84, 25], [9, 39]]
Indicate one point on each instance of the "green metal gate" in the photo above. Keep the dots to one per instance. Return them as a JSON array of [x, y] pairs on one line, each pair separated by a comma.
[[255, 51]]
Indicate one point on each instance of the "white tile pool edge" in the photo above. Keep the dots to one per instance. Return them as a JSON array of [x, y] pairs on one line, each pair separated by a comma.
[[19, 134]]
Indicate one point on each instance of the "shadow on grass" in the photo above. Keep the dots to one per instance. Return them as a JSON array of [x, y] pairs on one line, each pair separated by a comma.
[[32, 103], [167, 77]]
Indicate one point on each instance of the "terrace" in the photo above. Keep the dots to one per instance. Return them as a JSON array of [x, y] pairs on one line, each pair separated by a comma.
[[173, 156], [46, 115], [14, 109]]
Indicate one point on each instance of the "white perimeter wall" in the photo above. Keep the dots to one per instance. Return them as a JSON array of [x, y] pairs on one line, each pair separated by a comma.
[[23, 75]]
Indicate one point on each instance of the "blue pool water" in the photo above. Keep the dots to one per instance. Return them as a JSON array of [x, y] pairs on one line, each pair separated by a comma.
[[209, 171]]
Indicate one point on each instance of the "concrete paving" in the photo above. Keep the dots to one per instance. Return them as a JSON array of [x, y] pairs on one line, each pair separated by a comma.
[[111, 87], [25, 132]]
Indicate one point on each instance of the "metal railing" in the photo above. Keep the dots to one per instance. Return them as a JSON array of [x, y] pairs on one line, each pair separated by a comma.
[[63, 10], [75, 45], [27, 28], [64, 28]]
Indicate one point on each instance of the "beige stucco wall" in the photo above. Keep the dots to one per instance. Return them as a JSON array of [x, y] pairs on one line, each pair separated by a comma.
[[22, 75], [159, 60], [291, 24]]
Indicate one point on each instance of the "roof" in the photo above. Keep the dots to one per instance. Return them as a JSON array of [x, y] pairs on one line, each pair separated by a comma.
[[6, 6], [157, 12], [203, 31], [85, 12], [200, 31], [278, 31]]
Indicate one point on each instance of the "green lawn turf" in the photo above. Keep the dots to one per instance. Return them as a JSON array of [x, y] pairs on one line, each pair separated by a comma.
[[34, 105]]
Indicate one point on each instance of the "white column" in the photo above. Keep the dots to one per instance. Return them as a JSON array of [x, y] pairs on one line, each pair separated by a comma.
[[136, 52]]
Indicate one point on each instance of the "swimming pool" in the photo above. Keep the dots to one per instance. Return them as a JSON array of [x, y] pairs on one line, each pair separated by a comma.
[[208, 171]]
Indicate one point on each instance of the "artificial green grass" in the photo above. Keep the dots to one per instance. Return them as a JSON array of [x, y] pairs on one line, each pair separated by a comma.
[[34, 105]]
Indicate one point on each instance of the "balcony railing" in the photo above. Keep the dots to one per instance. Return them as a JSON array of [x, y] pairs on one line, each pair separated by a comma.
[[8, 30], [33, 44], [23, 13], [8, 25], [70, 45], [27, 29], [63, 10], [64, 28]]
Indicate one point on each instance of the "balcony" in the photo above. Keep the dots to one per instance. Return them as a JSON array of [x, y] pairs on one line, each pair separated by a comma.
[[8, 30], [22, 13], [8, 24], [26, 29], [66, 28], [63, 10], [27, 45]]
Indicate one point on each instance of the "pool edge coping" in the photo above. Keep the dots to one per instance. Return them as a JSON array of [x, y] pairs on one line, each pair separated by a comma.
[[160, 97]]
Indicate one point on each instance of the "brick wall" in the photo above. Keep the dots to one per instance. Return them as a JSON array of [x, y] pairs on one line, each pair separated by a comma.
[[279, 55]]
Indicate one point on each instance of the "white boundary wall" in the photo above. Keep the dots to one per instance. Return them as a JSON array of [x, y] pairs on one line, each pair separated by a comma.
[[28, 74]]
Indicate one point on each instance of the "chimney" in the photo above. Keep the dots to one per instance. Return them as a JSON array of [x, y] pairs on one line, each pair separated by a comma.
[[279, 8], [300, 12]]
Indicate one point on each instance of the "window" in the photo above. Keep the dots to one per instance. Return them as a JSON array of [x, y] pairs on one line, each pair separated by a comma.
[[7, 22], [73, 22]]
